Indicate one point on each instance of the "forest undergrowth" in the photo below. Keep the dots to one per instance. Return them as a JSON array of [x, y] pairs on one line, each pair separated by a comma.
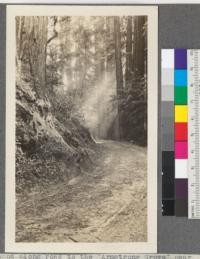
[[48, 150]]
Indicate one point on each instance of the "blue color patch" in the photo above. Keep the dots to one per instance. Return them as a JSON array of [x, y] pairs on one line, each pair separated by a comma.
[[180, 77]]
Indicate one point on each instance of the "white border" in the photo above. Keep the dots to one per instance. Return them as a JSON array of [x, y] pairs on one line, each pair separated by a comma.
[[136, 247]]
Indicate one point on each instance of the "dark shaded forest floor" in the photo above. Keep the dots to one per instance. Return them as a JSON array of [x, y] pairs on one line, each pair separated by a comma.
[[106, 204]]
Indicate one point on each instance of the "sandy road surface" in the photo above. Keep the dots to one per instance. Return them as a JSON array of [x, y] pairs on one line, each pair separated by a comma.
[[107, 204]]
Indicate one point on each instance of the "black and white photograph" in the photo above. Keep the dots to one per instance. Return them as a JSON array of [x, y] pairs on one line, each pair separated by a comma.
[[82, 118]]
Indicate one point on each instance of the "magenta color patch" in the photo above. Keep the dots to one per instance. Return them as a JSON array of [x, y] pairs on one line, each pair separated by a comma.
[[181, 149]]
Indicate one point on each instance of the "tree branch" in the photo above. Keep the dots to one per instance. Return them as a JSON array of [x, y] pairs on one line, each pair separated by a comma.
[[52, 37], [54, 31]]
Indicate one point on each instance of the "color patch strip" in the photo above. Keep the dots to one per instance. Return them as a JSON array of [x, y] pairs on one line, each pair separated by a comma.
[[167, 114], [181, 129]]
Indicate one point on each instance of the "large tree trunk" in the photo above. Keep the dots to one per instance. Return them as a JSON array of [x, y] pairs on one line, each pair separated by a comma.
[[139, 85], [139, 46], [145, 74], [129, 59], [98, 78], [31, 50], [119, 73]]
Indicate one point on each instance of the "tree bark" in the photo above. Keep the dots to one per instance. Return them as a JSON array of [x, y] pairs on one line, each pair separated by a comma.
[[139, 46], [128, 72], [145, 74], [31, 51], [119, 73]]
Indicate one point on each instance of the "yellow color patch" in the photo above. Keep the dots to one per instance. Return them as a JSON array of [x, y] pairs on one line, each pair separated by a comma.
[[181, 113]]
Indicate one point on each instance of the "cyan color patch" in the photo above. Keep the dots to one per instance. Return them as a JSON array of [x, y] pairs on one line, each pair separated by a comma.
[[180, 77]]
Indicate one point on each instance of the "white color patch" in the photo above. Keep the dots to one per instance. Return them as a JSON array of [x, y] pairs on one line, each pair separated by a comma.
[[181, 168], [167, 58]]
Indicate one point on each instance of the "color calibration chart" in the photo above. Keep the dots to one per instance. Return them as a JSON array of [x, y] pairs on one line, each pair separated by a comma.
[[180, 115]]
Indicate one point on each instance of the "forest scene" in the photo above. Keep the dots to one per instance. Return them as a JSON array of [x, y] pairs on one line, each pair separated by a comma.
[[81, 128]]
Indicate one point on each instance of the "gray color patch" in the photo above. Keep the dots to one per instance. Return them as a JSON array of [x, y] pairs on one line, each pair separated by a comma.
[[167, 76], [168, 141], [167, 93], [167, 109], [167, 124]]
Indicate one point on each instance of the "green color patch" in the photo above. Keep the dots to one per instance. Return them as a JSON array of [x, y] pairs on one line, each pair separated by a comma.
[[180, 95]]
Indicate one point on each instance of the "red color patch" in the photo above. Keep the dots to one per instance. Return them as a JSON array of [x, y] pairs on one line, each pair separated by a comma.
[[181, 131]]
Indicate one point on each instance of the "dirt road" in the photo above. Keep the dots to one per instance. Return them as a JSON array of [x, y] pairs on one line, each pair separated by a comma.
[[108, 204]]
